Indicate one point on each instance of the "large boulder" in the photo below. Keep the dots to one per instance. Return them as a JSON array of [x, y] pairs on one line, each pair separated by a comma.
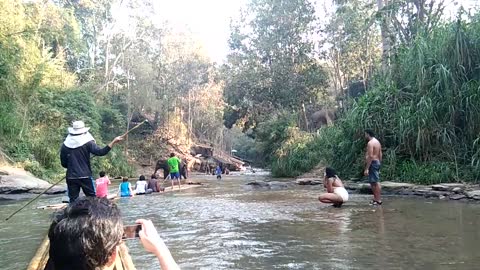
[[16, 181]]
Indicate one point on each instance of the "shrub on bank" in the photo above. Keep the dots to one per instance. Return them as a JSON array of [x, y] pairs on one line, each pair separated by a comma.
[[425, 112]]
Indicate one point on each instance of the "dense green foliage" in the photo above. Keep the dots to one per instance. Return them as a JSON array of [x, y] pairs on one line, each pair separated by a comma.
[[39, 95], [426, 115]]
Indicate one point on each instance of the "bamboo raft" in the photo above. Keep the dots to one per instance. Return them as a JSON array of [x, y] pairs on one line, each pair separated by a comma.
[[114, 197], [39, 261]]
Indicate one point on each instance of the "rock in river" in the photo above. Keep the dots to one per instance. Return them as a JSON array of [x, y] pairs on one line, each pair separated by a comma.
[[457, 197], [473, 194], [268, 185], [448, 187], [308, 181], [17, 181]]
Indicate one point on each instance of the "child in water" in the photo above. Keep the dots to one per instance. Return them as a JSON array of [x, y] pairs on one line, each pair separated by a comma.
[[336, 192], [125, 189]]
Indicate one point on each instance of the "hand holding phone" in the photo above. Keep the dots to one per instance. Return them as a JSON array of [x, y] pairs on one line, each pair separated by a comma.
[[149, 236], [131, 231]]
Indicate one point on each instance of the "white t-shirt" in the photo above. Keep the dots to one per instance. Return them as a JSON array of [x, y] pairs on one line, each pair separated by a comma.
[[141, 186]]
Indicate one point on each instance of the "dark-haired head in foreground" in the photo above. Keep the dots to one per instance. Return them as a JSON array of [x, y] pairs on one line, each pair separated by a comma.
[[85, 236]]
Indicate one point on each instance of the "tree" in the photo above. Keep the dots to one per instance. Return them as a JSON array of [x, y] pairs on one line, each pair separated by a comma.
[[272, 65], [352, 39]]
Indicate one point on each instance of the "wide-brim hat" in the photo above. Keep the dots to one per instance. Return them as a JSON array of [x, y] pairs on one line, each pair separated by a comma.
[[78, 127]]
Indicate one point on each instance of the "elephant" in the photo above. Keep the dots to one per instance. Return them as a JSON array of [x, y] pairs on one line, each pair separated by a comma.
[[322, 117], [162, 164]]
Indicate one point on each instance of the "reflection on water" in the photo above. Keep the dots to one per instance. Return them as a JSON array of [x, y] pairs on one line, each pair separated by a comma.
[[224, 225]]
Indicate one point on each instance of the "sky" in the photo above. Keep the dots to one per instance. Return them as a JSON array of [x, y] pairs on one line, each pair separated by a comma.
[[209, 20]]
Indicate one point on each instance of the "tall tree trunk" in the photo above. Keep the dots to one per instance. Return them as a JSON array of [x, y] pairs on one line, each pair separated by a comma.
[[384, 30], [129, 112]]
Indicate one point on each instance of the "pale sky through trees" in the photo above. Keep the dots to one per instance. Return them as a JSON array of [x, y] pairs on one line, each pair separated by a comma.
[[209, 20]]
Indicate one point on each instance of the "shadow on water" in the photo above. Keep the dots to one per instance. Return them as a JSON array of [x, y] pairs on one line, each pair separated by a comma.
[[225, 225]]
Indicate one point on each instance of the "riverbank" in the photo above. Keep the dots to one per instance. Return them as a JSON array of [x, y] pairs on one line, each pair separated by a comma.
[[447, 191]]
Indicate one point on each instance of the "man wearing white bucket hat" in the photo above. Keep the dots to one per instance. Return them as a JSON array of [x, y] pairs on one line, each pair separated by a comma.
[[75, 157]]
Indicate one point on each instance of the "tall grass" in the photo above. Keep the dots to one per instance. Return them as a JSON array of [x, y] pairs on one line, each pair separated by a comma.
[[426, 115]]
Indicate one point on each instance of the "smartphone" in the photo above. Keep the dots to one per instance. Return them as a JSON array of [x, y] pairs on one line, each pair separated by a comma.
[[131, 231]]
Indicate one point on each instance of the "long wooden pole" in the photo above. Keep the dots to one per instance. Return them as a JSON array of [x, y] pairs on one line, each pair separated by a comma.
[[34, 199], [135, 127]]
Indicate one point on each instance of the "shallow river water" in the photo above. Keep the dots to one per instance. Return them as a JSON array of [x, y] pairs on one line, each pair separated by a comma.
[[226, 225]]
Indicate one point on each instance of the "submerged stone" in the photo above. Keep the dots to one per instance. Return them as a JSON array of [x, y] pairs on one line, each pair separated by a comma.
[[457, 197]]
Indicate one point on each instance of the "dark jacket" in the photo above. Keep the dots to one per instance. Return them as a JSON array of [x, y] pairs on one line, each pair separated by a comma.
[[77, 160]]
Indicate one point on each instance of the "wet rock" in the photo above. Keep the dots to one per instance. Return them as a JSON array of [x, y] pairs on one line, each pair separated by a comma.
[[457, 197], [473, 194], [308, 181], [447, 187], [18, 181], [394, 187], [304, 181], [442, 197], [268, 185], [258, 184], [457, 190], [421, 191], [277, 185], [435, 194]]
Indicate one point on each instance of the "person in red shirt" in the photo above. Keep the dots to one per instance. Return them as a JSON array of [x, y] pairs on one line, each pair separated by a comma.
[[102, 185]]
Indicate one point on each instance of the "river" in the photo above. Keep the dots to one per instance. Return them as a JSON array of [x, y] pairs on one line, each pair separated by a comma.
[[226, 225]]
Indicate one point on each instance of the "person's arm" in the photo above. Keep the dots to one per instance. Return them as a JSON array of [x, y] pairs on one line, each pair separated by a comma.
[[120, 190], [380, 155], [97, 151], [131, 191], [64, 157], [368, 158], [152, 242], [108, 180]]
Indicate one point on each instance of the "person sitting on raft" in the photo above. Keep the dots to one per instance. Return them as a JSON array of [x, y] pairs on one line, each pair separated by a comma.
[[336, 192], [88, 233], [141, 186], [125, 189], [153, 185], [102, 185]]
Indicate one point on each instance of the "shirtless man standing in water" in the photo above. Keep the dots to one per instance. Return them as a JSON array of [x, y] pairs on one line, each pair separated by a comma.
[[373, 159]]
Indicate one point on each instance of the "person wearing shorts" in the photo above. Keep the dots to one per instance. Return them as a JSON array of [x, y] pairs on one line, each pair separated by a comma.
[[336, 192], [373, 158], [174, 168]]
